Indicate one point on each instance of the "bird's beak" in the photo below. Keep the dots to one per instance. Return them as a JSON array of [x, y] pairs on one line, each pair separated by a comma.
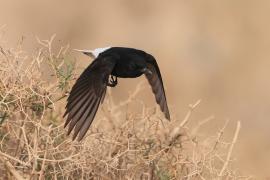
[[147, 71], [86, 52]]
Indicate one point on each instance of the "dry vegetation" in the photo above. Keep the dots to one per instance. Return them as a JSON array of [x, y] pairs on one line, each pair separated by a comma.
[[34, 145]]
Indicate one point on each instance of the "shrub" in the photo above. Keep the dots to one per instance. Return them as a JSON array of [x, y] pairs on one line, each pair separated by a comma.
[[125, 145]]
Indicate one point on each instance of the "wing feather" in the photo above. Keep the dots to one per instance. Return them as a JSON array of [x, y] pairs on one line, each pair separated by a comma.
[[85, 116], [155, 80], [86, 95], [77, 112], [77, 98], [85, 126]]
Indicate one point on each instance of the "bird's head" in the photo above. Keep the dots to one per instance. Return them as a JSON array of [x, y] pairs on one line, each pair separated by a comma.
[[93, 53]]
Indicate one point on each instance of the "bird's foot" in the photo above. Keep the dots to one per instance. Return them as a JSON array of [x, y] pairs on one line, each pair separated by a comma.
[[112, 82]]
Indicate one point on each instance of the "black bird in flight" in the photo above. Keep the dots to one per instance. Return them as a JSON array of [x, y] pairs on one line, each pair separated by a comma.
[[90, 88]]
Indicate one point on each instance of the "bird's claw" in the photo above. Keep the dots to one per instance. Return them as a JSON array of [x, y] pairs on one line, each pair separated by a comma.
[[112, 82]]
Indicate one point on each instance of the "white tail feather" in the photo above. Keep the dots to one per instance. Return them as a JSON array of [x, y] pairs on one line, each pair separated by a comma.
[[93, 53]]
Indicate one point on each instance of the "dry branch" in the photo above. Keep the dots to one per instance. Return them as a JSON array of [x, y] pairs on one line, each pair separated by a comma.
[[13, 171], [231, 149]]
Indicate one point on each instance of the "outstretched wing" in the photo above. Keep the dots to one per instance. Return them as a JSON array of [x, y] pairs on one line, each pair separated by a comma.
[[155, 80], [86, 95]]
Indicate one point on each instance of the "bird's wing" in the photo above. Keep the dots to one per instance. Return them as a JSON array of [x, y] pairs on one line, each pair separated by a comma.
[[155, 80], [86, 95]]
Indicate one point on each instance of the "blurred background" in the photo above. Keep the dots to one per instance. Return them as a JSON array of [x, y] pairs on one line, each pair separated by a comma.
[[216, 51]]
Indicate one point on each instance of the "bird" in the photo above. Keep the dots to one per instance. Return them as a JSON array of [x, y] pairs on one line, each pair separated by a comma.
[[89, 90]]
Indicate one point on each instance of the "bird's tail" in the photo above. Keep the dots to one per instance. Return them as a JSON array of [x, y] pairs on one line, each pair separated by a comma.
[[86, 52]]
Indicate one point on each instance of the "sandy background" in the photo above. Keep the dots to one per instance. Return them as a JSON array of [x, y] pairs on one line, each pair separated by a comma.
[[217, 51]]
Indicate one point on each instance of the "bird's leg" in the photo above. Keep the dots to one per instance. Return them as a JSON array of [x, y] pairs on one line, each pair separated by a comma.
[[112, 82]]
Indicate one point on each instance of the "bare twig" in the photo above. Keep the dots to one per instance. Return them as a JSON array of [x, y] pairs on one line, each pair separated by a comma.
[[230, 149], [191, 108], [14, 159], [13, 171], [175, 133]]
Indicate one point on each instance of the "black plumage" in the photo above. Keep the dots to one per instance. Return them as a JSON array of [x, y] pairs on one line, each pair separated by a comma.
[[90, 88]]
